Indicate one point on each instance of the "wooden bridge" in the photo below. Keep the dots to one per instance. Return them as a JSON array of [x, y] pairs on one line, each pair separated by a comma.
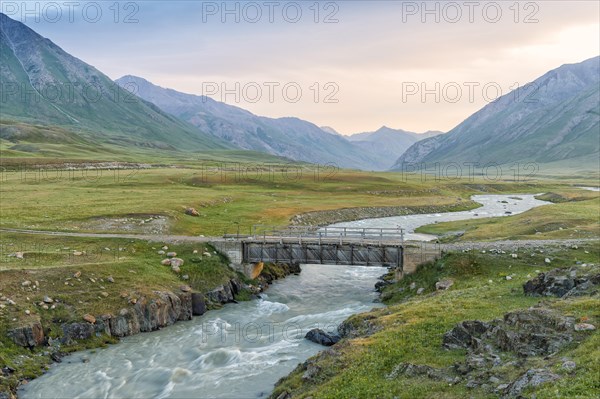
[[327, 245]]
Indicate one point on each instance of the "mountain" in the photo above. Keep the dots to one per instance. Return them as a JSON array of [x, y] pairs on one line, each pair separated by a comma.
[[44, 85], [554, 120], [387, 143], [289, 137], [330, 130]]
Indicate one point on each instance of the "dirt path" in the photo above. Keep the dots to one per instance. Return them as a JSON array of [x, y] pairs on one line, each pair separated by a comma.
[[501, 244]]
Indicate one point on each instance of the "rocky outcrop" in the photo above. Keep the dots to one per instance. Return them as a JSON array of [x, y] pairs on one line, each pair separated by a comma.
[[321, 337], [563, 283], [151, 314], [532, 378], [77, 331], [361, 325], [536, 333], [417, 370], [29, 335], [530, 332], [221, 294]]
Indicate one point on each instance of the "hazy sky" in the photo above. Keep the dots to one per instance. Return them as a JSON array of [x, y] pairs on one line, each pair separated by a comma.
[[358, 64]]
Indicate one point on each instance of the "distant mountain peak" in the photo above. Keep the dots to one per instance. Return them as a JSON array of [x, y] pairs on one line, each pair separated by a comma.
[[554, 119]]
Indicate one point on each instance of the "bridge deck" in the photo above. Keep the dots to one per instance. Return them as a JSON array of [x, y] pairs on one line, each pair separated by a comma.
[[323, 251]]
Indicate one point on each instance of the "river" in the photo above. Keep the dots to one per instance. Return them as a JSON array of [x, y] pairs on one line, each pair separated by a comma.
[[492, 206], [240, 351]]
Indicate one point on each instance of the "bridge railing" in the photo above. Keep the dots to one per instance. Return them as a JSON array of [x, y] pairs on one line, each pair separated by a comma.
[[342, 233]]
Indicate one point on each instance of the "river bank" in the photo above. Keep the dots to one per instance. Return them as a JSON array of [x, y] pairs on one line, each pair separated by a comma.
[[48, 313]]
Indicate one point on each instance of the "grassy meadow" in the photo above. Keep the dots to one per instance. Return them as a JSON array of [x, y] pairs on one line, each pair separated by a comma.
[[87, 198], [146, 194]]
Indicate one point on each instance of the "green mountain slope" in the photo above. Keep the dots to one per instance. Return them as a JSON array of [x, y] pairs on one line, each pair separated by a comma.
[[42, 84]]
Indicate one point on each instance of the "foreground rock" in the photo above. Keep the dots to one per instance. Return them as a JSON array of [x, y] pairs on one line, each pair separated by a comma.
[[530, 332], [321, 337], [532, 378]]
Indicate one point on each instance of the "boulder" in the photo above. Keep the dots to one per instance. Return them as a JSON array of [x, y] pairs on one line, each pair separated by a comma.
[[381, 284], [221, 294], [198, 304], [192, 212], [186, 311], [561, 283], [236, 286], [89, 318], [532, 378], [176, 262], [29, 335], [584, 327], [319, 336], [444, 284], [76, 331], [465, 334]]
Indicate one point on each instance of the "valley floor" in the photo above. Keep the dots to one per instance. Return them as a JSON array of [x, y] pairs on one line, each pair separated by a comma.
[[105, 262]]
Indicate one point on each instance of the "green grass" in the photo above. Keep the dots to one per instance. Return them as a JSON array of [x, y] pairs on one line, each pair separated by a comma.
[[413, 327], [75, 200]]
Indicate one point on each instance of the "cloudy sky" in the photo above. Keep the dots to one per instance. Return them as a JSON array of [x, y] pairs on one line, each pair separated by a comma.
[[351, 65]]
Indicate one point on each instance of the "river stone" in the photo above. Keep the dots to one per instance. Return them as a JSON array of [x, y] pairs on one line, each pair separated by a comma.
[[176, 262], [171, 254], [166, 262], [319, 336]]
